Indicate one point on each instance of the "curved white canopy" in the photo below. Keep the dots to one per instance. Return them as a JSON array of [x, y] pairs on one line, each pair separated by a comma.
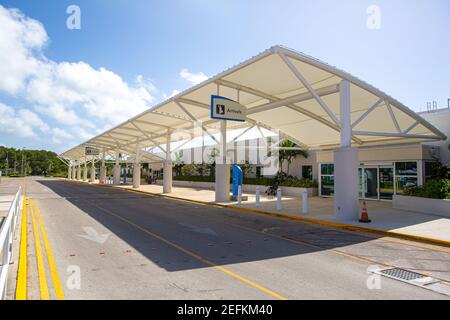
[[283, 90]]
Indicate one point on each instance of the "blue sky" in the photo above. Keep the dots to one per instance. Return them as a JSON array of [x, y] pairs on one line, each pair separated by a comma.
[[67, 85]]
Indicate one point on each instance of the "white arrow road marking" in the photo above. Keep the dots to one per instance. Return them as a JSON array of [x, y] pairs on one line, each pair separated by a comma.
[[193, 228], [93, 235]]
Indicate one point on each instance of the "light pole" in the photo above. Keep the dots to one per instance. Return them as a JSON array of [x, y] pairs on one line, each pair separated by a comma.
[[23, 151]]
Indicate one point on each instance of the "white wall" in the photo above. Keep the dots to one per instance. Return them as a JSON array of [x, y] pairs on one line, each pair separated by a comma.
[[441, 120]]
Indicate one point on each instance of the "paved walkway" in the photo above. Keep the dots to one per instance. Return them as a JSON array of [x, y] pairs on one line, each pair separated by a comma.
[[7, 194], [383, 216]]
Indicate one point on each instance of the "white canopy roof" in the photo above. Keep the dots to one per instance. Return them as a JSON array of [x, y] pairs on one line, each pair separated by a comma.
[[283, 90]]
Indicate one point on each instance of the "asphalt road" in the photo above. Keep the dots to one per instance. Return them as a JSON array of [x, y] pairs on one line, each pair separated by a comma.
[[115, 244]]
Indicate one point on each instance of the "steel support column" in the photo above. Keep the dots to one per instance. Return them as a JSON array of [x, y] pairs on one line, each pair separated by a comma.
[[346, 163], [116, 170], [167, 177], [222, 167], [137, 169]]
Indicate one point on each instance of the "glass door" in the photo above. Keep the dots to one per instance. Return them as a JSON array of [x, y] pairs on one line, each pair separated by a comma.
[[370, 183], [386, 183]]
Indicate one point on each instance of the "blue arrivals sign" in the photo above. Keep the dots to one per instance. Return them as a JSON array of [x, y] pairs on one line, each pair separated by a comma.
[[226, 109]]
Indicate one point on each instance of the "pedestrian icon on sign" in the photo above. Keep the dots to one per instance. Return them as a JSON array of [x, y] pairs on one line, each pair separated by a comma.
[[220, 109]]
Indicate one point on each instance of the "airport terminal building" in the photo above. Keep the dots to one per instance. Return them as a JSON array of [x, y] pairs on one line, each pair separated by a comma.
[[383, 170], [362, 143]]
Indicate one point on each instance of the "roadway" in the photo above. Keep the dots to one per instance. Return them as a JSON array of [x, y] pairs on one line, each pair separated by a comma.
[[115, 244]]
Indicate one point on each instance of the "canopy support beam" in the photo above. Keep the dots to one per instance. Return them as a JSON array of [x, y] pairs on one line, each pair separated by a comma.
[[302, 79]]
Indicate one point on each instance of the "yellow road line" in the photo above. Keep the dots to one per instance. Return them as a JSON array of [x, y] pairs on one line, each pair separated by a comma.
[[43, 287], [21, 287], [51, 260], [194, 255]]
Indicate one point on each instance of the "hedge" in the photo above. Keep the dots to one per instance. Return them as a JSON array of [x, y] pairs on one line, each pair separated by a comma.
[[434, 189], [291, 182]]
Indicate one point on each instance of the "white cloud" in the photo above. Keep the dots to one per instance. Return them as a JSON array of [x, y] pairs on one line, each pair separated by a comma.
[[32, 119], [59, 135], [145, 83], [82, 133], [21, 41], [75, 94], [174, 93], [21, 123], [193, 78]]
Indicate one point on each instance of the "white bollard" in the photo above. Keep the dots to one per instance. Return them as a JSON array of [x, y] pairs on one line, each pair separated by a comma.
[[305, 201], [239, 197], [257, 196], [279, 207]]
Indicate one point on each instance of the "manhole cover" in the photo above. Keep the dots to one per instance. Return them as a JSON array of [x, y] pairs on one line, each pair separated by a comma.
[[402, 274]]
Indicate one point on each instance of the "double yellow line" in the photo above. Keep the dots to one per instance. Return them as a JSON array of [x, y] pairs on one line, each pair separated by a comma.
[[21, 290]]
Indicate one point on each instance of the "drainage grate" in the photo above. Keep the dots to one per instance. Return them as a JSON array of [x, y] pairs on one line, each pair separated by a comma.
[[402, 274]]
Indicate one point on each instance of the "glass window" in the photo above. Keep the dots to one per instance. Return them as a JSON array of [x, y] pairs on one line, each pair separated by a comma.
[[428, 170], [327, 186], [405, 182], [327, 168], [406, 168], [307, 172]]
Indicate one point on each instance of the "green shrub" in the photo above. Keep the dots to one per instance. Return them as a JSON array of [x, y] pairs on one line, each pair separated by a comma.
[[195, 178], [289, 182], [434, 189], [299, 183]]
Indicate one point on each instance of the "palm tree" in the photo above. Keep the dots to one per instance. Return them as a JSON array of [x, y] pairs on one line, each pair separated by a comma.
[[289, 154]]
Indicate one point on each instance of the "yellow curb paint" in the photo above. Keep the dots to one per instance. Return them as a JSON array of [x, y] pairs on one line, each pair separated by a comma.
[[194, 255], [43, 287], [51, 260], [21, 287]]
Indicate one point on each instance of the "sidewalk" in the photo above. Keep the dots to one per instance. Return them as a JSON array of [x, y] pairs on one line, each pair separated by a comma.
[[385, 220]]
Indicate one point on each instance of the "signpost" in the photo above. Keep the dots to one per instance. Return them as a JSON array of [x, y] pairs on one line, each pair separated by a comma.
[[223, 108], [90, 151]]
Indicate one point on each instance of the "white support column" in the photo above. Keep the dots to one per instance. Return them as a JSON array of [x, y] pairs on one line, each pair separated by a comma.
[[74, 170], [102, 176], [346, 204], [222, 167], [116, 170], [79, 170], [69, 171], [137, 170], [85, 173], [167, 177], [93, 171]]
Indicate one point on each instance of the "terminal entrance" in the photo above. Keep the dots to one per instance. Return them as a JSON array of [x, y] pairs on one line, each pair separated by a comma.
[[376, 182]]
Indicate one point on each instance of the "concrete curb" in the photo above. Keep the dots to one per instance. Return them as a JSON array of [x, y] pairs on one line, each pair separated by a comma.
[[339, 225]]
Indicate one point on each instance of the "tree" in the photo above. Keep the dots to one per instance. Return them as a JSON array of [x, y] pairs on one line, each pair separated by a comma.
[[36, 162], [289, 154], [246, 168], [179, 163], [212, 161]]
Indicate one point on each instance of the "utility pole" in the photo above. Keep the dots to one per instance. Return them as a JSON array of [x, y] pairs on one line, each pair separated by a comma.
[[23, 148], [7, 164]]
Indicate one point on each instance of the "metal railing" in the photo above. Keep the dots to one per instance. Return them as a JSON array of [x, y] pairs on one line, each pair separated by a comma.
[[7, 229]]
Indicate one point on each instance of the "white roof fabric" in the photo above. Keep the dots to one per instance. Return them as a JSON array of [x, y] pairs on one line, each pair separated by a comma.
[[270, 86]]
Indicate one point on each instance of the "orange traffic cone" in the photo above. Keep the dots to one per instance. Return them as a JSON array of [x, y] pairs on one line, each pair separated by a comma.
[[364, 215]]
